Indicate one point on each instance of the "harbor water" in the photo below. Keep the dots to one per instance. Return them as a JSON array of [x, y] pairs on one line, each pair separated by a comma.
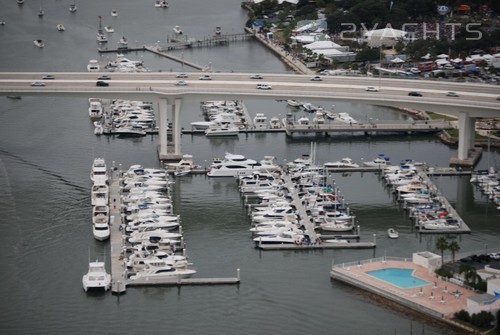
[[47, 147]]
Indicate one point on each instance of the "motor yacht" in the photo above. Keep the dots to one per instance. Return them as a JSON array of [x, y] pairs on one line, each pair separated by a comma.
[[98, 173], [222, 129], [60, 27], [260, 121], [140, 260], [96, 277], [95, 110], [284, 237], [39, 43], [345, 162], [114, 13], [162, 273], [294, 103], [380, 161], [101, 231], [186, 163], [161, 4], [303, 121], [130, 130], [337, 226], [93, 66], [392, 233], [346, 118], [100, 195]]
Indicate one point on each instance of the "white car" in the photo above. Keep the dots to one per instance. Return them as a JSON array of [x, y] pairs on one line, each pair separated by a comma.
[[452, 94], [256, 76], [205, 77], [181, 75], [37, 83], [316, 78], [181, 83], [371, 89], [264, 87]]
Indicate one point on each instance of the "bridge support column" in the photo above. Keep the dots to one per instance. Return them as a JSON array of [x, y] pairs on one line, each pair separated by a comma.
[[163, 122], [467, 154], [466, 134], [170, 152]]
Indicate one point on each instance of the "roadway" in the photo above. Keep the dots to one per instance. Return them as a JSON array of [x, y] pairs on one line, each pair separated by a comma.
[[479, 100]]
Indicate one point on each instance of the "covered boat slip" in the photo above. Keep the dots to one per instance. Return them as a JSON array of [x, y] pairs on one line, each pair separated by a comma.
[[119, 280]]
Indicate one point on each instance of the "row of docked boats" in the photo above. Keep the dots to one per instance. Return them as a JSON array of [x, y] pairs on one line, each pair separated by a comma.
[[321, 115], [420, 197], [100, 200], [222, 118], [125, 118], [488, 181], [152, 230]]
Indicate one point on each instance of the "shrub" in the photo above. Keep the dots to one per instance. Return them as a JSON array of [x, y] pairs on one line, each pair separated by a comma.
[[462, 315]]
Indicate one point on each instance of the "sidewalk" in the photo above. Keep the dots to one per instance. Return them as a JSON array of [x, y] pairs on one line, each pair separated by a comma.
[[294, 63]]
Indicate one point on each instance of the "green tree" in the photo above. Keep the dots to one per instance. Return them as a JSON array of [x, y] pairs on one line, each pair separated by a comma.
[[454, 247], [441, 246]]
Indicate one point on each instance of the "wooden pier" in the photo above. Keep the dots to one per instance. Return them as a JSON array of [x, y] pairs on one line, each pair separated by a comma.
[[186, 281]]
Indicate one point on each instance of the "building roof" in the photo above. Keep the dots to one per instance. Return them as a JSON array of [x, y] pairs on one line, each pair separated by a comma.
[[385, 33], [323, 45]]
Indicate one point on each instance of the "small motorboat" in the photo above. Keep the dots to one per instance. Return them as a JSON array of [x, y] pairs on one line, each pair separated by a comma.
[[392, 233], [72, 8], [109, 29], [161, 4], [39, 43], [114, 13], [177, 30], [123, 41], [60, 27]]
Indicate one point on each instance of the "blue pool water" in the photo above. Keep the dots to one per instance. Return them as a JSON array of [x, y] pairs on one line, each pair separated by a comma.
[[399, 277]]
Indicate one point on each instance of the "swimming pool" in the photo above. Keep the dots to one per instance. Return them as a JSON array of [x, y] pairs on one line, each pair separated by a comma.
[[399, 277]]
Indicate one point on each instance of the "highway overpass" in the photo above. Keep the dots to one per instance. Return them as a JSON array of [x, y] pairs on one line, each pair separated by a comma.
[[474, 100]]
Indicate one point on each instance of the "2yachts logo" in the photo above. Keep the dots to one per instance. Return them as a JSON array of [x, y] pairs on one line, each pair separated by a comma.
[[413, 31]]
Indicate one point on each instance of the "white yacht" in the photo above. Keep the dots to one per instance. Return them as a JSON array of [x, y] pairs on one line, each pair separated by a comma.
[[95, 110], [201, 125], [98, 173], [114, 13], [109, 29], [186, 163], [123, 41], [101, 231], [294, 103], [319, 117], [284, 237], [161, 4], [177, 30], [101, 38], [96, 277], [73, 8], [380, 161], [346, 118], [337, 226], [162, 273], [345, 162], [99, 195], [39, 43], [93, 66], [392, 233], [222, 129], [260, 121], [303, 121], [130, 130], [233, 166], [60, 27], [274, 123]]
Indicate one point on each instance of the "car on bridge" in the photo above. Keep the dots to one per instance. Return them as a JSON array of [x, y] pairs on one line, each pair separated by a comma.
[[316, 78], [256, 76], [49, 76], [264, 87], [104, 78], [181, 83], [205, 77], [452, 94], [37, 83], [101, 83], [181, 75], [415, 94], [371, 89]]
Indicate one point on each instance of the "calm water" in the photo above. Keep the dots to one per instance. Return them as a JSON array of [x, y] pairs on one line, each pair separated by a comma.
[[46, 149]]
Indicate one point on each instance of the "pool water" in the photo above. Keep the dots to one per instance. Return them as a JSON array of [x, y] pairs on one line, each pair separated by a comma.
[[400, 277]]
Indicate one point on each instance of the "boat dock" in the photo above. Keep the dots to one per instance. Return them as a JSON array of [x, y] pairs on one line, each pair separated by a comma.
[[415, 126], [119, 273], [162, 53]]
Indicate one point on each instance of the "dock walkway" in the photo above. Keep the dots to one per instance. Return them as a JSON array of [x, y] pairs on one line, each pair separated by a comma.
[[118, 278]]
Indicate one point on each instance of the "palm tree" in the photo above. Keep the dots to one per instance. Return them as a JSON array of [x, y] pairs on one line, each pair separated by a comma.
[[453, 247], [442, 245]]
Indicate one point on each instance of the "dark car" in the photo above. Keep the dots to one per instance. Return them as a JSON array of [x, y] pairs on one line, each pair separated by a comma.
[[415, 94], [101, 83], [49, 76], [104, 78]]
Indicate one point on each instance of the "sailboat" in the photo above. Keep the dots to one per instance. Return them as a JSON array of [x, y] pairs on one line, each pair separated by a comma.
[[41, 12], [101, 38]]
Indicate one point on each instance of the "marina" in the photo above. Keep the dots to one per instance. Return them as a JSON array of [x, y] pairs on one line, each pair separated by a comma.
[[47, 176]]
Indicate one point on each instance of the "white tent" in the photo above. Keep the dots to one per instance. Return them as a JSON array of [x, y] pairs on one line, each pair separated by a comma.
[[428, 56], [457, 60], [397, 60], [442, 62], [323, 45], [442, 56]]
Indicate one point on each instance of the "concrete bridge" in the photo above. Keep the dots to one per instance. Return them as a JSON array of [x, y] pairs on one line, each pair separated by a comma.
[[474, 100]]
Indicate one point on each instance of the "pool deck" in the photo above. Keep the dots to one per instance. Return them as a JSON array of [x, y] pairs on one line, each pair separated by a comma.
[[436, 299]]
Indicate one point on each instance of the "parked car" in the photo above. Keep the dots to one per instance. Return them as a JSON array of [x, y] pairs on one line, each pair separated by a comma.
[[205, 77], [101, 83], [256, 76], [37, 83], [264, 87], [452, 94], [415, 94], [181, 83], [371, 89]]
